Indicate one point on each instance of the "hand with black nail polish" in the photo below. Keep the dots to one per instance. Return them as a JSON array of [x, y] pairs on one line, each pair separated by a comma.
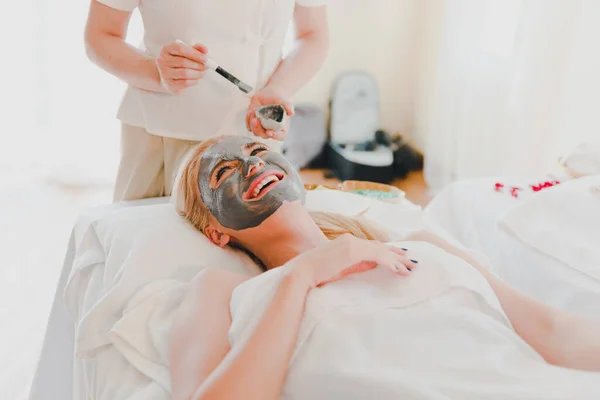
[[348, 255]]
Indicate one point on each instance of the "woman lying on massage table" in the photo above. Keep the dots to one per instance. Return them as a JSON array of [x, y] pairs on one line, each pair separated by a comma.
[[338, 316]]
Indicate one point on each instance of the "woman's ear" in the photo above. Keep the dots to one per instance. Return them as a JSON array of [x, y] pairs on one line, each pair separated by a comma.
[[217, 237]]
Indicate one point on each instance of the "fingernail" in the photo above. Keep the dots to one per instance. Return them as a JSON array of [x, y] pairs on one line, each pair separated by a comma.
[[404, 249], [415, 261]]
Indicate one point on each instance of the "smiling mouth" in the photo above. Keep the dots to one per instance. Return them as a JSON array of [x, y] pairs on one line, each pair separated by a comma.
[[263, 185]]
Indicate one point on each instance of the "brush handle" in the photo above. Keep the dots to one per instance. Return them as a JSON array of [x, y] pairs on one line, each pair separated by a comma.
[[210, 64]]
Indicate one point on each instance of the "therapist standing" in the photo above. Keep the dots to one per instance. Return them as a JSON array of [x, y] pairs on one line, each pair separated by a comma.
[[172, 102]]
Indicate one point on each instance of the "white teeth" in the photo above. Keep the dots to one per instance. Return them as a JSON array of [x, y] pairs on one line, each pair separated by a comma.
[[263, 183]]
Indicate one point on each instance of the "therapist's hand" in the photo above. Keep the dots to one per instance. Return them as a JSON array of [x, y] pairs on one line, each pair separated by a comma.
[[267, 96], [181, 66]]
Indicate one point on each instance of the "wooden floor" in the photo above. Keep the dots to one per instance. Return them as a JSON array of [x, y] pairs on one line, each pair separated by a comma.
[[413, 185]]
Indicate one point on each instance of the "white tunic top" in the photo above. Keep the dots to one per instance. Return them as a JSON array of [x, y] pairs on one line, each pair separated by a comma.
[[437, 334], [245, 37]]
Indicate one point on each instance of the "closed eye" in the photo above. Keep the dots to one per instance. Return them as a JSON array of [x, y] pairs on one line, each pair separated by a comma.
[[258, 150], [221, 172]]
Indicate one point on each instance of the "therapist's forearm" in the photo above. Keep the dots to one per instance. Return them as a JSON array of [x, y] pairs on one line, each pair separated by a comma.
[[116, 56], [301, 65]]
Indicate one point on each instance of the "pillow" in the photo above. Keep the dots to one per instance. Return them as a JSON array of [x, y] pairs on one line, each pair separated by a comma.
[[562, 222]]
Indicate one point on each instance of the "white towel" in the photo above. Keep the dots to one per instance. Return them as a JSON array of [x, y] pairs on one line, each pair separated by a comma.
[[141, 335], [563, 222]]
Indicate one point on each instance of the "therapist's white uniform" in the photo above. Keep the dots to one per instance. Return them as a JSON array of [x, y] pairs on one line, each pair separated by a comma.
[[244, 36]]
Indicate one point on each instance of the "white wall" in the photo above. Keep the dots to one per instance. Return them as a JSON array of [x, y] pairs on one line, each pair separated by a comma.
[[378, 36]]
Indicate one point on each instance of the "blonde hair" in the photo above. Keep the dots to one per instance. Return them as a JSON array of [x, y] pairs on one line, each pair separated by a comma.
[[190, 206]]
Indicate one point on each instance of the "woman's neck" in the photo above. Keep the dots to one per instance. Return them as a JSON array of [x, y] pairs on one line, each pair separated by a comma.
[[288, 235]]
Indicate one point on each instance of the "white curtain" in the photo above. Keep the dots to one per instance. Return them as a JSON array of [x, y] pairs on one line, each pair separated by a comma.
[[506, 86], [59, 118]]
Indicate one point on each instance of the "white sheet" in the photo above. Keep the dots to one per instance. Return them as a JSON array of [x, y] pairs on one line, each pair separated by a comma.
[[438, 334], [562, 222], [469, 211], [105, 374], [53, 377]]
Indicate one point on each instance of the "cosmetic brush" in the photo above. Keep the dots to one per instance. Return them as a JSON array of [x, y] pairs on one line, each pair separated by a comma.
[[210, 64]]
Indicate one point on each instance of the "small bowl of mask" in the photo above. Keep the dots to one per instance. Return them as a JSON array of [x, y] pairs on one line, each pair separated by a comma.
[[272, 116]]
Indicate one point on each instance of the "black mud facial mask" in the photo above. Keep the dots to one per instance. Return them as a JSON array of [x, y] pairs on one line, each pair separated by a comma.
[[253, 183]]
